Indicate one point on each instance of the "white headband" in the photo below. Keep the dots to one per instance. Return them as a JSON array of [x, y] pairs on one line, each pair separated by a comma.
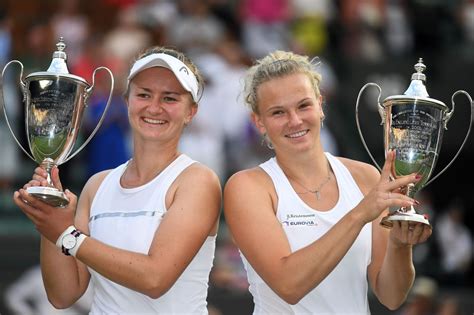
[[184, 75]]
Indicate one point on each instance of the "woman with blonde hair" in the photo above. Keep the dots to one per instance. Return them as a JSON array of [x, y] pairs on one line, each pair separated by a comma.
[[306, 222]]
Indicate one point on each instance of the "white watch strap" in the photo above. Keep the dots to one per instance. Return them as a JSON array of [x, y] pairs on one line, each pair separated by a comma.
[[68, 230], [80, 239]]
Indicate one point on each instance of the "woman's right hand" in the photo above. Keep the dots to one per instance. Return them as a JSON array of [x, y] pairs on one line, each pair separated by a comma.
[[386, 192]]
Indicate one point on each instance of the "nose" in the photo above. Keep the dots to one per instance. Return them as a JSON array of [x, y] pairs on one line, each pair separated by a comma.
[[294, 119], [156, 106]]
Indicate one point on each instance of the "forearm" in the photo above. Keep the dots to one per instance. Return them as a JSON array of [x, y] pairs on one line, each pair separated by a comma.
[[312, 264], [60, 275], [396, 275], [133, 270]]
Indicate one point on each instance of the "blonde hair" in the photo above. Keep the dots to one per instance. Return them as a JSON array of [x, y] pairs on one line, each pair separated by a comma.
[[276, 65], [178, 55]]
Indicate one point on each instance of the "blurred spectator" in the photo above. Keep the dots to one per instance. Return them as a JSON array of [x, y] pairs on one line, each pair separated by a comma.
[[265, 26], [435, 26], [27, 296], [467, 19], [40, 47], [203, 138], [6, 24], [196, 30], [228, 273], [217, 135], [9, 165], [398, 34], [363, 23], [124, 41], [422, 298], [329, 87], [156, 13], [456, 244], [309, 27], [71, 24], [449, 305], [110, 146]]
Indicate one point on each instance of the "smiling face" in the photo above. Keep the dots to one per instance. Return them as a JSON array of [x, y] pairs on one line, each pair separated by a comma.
[[158, 106], [289, 112]]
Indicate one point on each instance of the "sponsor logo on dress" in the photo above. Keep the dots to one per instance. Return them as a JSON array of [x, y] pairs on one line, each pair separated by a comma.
[[300, 220]]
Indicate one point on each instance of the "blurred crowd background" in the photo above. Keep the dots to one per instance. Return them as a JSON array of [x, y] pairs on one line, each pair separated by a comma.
[[358, 41]]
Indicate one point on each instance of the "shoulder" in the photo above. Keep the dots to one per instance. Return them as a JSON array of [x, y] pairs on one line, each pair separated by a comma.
[[196, 179], [365, 175], [92, 185], [252, 186], [198, 173], [248, 179], [197, 185], [86, 198]]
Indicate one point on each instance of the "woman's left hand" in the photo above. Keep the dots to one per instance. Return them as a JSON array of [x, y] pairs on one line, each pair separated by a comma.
[[409, 233]]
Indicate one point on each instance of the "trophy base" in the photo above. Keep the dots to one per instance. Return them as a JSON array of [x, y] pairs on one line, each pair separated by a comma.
[[387, 221], [49, 195]]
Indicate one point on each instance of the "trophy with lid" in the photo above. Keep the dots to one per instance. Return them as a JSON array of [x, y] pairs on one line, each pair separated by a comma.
[[54, 106], [413, 126]]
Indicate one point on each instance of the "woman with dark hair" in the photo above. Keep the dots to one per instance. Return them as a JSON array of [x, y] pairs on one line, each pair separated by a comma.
[[144, 232]]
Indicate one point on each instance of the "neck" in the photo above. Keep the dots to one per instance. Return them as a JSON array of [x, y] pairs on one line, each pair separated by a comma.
[[146, 164], [299, 166], [308, 176]]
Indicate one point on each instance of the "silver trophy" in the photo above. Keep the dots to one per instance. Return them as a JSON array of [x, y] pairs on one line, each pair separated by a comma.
[[413, 125], [54, 105]]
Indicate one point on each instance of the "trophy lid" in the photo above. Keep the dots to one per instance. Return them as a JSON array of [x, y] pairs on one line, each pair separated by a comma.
[[58, 66], [417, 86], [416, 91]]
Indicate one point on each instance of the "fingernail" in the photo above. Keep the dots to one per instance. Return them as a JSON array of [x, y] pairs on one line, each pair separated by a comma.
[[418, 176], [416, 202]]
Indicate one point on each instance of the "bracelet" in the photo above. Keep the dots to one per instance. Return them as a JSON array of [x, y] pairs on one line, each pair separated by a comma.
[[70, 240], [68, 230]]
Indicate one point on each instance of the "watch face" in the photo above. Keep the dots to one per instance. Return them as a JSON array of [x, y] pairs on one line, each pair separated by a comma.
[[69, 241]]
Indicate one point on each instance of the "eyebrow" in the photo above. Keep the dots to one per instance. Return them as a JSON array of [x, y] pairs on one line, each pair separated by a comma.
[[276, 107], [165, 92]]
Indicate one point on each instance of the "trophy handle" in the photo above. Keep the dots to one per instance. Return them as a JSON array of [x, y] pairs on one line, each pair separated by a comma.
[[381, 113], [446, 119], [23, 90], [101, 120]]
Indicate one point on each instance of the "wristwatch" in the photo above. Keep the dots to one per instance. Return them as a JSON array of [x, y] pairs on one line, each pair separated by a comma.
[[69, 241]]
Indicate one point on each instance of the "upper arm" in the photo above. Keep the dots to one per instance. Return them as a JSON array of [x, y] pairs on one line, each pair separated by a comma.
[[250, 206], [81, 220], [84, 203], [192, 214], [367, 177]]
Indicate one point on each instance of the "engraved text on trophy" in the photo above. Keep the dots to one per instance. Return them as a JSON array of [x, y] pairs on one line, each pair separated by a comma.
[[415, 134]]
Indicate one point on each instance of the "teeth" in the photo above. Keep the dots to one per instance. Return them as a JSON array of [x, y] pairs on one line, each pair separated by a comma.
[[297, 134], [154, 121]]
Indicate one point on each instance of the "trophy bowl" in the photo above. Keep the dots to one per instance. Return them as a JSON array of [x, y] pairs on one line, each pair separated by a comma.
[[414, 125], [54, 105]]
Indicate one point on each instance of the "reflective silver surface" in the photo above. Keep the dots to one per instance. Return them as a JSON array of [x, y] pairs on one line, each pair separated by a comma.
[[413, 126], [54, 110], [415, 131], [54, 106]]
